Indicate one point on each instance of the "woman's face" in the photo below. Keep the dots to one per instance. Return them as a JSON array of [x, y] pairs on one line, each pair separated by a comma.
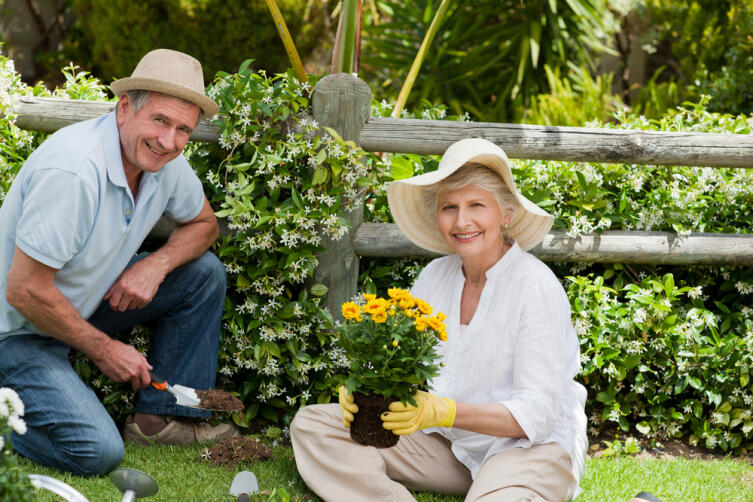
[[470, 221]]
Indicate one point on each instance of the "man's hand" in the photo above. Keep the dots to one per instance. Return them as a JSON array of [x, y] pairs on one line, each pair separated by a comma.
[[347, 406], [123, 363], [137, 285], [432, 411]]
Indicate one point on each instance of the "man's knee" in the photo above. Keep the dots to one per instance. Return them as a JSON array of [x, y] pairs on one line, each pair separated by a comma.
[[213, 268], [96, 456], [210, 274]]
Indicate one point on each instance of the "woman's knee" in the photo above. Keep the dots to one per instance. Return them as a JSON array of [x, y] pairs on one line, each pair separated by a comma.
[[310, 421]]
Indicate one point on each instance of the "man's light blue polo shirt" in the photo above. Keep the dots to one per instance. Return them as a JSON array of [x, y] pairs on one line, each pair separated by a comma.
[[70, 208]]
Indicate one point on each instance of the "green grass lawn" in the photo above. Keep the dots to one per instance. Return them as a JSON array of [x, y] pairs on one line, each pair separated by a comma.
[[183, 477]]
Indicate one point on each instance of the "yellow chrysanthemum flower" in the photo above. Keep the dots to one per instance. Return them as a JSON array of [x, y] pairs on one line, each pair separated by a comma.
[[369, 297], [436, 324], [351, 311], [443, 336], [423, 306], [406, 303], [376, 306], [397, 293], [410, 313], [441, 316], [420, 323], [379, 317]]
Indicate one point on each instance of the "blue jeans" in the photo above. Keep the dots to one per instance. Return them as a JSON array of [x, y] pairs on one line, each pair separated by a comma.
[[68, 428]]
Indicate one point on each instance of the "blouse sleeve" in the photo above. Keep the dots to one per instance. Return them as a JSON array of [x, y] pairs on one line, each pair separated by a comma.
[[539, 373]]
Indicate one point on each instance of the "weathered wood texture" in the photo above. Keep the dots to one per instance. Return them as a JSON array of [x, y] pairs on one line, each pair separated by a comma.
[[342, 102], [563, 143], [386, 240], [434, 136], [51, 114]]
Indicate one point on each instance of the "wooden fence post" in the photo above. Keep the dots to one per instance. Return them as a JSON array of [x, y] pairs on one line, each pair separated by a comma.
[[343, 102]]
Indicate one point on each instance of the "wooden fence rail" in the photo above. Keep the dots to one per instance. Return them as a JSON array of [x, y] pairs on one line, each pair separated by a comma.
[[341, 101], [434, 136]]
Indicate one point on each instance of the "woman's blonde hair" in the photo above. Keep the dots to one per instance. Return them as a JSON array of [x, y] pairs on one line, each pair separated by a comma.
[[473, 173]]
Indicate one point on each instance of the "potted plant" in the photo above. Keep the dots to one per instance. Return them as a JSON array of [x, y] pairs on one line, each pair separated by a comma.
[[391, 346]]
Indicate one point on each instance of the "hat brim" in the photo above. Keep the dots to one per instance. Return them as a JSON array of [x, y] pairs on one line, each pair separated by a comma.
[[208, 107], [406, 199]]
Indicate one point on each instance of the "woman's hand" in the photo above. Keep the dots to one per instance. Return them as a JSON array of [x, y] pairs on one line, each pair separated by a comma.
[[347, 406], [431, 411]]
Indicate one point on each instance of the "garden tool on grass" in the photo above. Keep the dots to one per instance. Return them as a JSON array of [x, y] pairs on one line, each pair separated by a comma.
[[184, 396], [244, 484], [133, 484], [42, 482]]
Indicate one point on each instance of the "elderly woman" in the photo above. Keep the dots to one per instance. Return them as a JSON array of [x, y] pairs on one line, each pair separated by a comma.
[[505, 419]]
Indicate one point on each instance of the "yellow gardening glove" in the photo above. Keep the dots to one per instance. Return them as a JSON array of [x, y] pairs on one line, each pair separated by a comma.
[[432, 411], [347, 406]]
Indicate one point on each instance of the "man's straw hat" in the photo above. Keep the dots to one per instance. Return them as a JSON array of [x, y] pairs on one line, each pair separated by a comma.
[[172, 73], [407, 202]]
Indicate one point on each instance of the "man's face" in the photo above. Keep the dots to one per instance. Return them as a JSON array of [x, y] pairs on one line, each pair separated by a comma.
[[156, 134]]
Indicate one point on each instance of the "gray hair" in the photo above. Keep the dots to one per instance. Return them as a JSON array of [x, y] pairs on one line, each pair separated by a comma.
[[138, 98]]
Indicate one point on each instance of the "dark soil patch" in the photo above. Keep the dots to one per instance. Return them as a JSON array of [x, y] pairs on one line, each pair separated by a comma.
[[366, 427], [232, 451], [666, 449], [218, 400]]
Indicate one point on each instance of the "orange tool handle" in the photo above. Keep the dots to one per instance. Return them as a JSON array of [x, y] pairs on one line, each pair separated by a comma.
[[158, 382]]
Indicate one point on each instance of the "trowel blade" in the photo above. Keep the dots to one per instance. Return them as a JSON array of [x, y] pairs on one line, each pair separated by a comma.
[[244, 482], [185, 396]]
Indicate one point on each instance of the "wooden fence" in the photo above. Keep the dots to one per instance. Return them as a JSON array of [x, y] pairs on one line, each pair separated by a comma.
[[342, 101]]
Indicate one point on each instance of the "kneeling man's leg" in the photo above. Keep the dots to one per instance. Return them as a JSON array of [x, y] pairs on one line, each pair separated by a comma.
[[67, 426]]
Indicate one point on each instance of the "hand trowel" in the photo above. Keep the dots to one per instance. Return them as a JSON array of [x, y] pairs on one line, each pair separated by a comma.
[[184, 396], [244, 484]]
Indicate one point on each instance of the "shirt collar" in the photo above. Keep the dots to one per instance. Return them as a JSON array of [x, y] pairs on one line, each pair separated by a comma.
[[504, 263]]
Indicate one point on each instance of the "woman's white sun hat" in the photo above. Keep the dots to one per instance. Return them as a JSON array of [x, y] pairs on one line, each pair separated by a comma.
[[169, 72], [407, 202]]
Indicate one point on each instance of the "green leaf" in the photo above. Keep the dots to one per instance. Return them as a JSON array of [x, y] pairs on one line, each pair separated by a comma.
[[318, 289]]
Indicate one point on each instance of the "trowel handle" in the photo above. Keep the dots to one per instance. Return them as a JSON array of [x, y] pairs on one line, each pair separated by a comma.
[[243, 497], [158, 382], [128, 496]]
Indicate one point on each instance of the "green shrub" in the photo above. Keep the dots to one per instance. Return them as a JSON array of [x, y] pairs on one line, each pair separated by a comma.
[[707, 44], [14, 484], [115, 34]]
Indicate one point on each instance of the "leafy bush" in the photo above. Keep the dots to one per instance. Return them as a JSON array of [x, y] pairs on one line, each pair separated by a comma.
[[14, 484], [707, 45], [488, 57], [115, 34], [282, 184]]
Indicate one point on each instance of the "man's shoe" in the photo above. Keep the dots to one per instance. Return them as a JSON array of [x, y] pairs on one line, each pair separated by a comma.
[[180, 432], [644, 497]]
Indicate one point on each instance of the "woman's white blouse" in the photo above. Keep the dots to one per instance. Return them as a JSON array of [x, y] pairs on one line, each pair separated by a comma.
[[520, 349]]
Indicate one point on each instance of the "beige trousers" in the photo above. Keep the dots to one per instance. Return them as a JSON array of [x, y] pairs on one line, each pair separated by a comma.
[[340, 470]]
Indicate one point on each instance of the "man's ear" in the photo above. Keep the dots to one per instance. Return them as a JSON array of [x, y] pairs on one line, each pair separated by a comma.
[[123, 108]]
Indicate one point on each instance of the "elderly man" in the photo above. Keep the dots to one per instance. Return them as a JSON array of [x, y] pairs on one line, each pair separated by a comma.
[[70, 228]]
